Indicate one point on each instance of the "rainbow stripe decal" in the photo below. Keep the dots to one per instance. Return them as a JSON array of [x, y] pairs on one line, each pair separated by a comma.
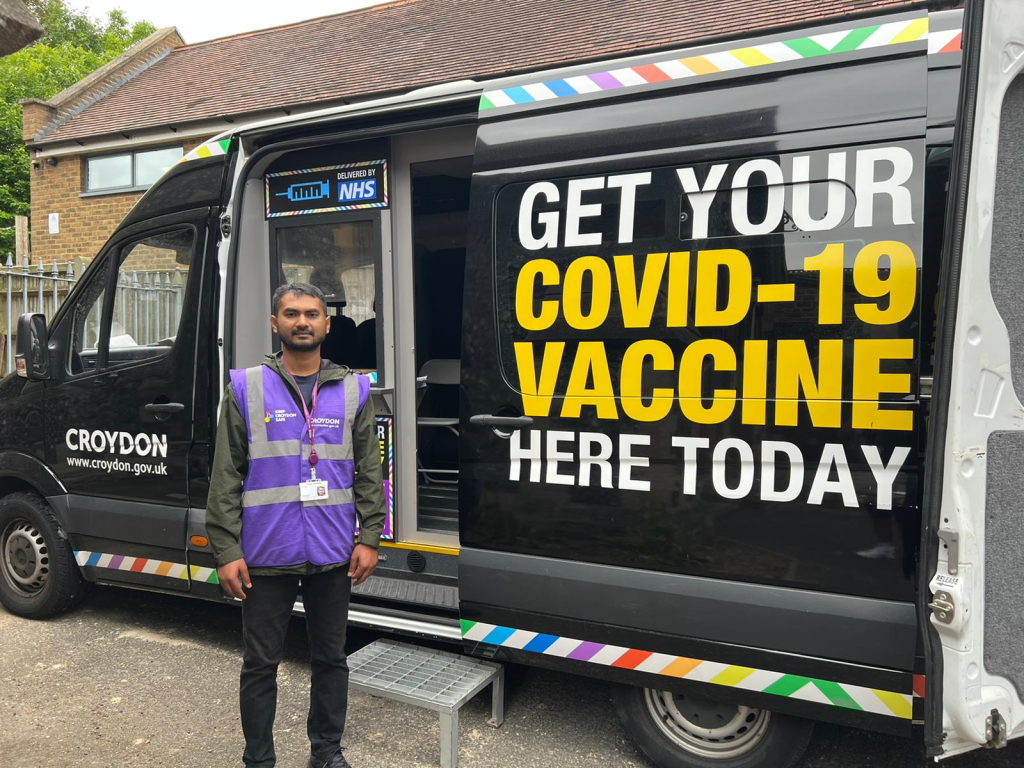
[[945, 41], [845, 695], [209, 149], [779, 52], [144, 565]]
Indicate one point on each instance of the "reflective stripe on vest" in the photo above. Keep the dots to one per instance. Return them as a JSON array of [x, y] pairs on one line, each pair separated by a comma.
[[262, 448], [290, 493]]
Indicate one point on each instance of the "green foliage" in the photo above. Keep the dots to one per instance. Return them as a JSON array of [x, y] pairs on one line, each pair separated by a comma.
[[73, 46], [66, 27]]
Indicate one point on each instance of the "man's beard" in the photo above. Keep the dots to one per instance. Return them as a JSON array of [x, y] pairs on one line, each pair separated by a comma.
[[303, 346]]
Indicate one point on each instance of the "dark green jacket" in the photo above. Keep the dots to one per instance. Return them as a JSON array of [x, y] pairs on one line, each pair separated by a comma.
[[231, 462]]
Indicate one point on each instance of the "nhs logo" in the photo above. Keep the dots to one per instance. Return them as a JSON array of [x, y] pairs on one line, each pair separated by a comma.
[[353, 191]]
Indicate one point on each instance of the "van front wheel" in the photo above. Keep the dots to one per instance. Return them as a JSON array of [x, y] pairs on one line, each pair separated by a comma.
[[39, 577], [676, 730]]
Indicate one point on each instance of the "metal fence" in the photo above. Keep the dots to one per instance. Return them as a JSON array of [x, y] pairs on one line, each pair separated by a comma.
[[147, 306]]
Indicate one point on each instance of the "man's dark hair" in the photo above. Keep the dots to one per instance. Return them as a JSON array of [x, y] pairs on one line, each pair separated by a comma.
[[300, 289]]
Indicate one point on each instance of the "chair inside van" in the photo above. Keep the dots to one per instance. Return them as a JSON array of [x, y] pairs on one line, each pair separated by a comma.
[[437, 422]]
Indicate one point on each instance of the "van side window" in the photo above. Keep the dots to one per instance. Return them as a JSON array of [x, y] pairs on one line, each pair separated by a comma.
[[148, 296], [144, 310]]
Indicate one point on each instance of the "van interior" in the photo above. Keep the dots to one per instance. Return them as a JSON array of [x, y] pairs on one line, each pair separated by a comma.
[[392, 274]]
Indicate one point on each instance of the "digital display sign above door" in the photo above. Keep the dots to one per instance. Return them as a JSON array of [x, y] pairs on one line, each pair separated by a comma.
[[348, 187]]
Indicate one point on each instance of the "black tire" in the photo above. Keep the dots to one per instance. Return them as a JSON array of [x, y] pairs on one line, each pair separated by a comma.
[[756, 738], [45, 581]]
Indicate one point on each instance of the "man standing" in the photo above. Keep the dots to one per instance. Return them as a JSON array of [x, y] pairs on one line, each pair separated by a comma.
[[297, 462]]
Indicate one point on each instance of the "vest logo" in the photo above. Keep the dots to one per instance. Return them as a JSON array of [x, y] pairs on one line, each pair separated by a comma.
[[279, 416], [267, 419], [357, 190], [326, 421]]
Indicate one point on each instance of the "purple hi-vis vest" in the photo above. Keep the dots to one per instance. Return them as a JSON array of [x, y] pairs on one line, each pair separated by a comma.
[[277, 528]]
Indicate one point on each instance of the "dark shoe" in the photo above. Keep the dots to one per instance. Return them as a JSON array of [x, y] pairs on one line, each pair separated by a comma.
[[338, 761]]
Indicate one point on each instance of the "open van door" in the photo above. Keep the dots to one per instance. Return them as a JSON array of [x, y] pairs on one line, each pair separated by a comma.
[[974, 498], [638, 499]]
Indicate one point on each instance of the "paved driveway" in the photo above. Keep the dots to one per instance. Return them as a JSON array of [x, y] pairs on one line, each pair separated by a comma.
[[132, 679]]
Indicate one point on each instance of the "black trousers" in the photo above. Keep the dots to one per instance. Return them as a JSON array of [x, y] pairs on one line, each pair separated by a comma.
[[266, 612]]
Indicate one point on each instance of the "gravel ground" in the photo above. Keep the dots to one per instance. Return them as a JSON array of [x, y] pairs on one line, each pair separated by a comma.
[[133, 679]]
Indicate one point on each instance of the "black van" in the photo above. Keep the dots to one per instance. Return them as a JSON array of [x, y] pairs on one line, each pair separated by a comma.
[[693, 373]]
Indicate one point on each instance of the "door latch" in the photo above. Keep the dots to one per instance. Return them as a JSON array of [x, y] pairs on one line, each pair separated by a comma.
[[995, 731], [943, 607], [225, 225]]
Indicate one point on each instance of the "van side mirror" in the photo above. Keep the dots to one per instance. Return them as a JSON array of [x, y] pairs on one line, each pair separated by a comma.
[[33, 353]]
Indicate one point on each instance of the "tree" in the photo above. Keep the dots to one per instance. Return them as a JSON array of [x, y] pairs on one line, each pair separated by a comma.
[[73, 46]]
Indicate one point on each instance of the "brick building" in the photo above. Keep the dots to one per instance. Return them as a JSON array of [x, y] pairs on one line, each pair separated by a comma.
[[97, 146]]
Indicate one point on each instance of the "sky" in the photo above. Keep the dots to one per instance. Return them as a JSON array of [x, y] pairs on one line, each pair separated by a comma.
[[199, 20]]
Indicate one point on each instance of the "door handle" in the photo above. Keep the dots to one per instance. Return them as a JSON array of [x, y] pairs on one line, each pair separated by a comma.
[[489, 420], [165, 407]]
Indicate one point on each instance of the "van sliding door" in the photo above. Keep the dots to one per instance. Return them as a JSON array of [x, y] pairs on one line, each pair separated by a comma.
[[691, 412]]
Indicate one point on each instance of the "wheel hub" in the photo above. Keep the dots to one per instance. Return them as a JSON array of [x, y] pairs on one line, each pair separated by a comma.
[[26, 560], [707, 728]]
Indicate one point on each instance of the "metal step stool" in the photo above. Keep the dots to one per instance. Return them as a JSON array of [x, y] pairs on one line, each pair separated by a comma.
[[438, 680]]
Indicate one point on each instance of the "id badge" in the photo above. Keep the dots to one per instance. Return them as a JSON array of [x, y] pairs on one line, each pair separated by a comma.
[[313, 490]]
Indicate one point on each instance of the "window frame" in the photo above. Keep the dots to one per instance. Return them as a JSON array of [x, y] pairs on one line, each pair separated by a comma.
[[133, 155], [94, 278], [343, 217], [112, 260]]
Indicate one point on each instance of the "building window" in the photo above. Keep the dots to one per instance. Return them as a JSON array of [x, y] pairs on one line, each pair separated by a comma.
[[130, 170]]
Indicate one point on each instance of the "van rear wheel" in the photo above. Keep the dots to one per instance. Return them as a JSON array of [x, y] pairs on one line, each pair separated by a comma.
[[677, 730], [39, 577]]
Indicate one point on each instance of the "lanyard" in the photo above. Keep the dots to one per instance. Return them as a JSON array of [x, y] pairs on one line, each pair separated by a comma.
[[310, 415]]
